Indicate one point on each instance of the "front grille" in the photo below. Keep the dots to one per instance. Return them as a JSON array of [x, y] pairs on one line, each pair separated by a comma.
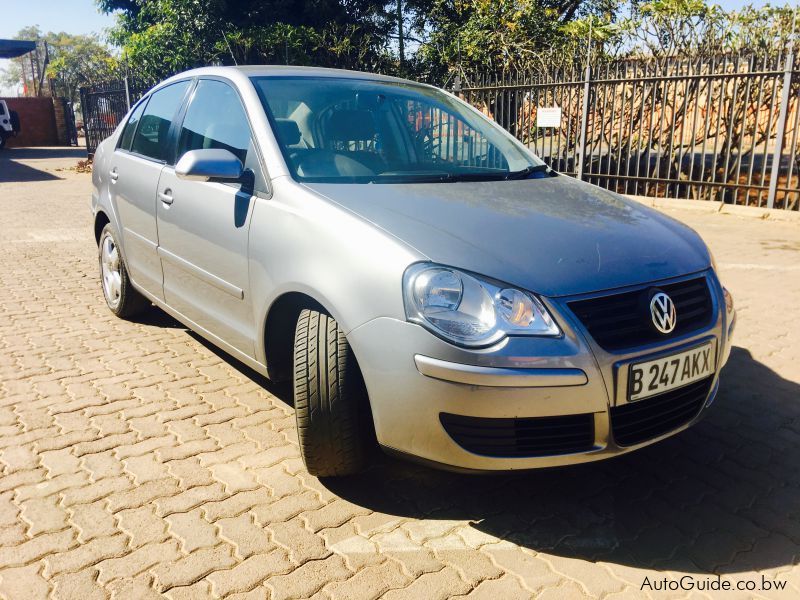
[[623, 320], [511, 438], [644, 420]]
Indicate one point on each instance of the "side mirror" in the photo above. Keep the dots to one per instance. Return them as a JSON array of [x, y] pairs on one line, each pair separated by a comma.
[[211, 163]]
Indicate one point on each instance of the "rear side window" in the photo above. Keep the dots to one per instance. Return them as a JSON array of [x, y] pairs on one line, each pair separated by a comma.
[[130, 127], [151, 137], [215, 119], [2, 109]]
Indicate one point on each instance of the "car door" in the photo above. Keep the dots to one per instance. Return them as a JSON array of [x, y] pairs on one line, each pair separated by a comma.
[[134, 170], [203, 225]]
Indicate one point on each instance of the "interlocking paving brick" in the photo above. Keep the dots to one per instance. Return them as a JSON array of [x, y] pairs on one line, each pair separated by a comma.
[[43, 514], [303, 545], [357, 550], [103, 488], [13, 534], [414, 558], [85, 555], [250, 572], [308, 578], [191, 498], [439, 585], [137, 462], [145, 468], [139, 587], [504, 588], [142, 525], [102, 465], [191, 530], [18, 458], [188, 570], [137, 561], [245, 535], [92, 521], [234, 477], [143, 494], [45, 544], [237, 504], [59, 462], [24, 583], [196, 591]]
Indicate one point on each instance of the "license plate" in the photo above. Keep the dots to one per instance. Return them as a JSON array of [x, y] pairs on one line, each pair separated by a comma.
[[661, 375]]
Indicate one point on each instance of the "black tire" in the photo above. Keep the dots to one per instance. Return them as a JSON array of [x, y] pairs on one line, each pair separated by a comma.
[[15, 125], [330, 402], [129, 302], [3, 138]]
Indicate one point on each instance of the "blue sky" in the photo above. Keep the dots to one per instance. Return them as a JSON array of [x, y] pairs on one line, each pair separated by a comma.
[[72, 16]]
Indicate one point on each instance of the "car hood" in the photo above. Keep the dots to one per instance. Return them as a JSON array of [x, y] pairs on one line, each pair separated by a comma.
[[555, 236]]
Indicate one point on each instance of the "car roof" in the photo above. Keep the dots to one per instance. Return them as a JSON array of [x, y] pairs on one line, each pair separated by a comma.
[[283, 71]]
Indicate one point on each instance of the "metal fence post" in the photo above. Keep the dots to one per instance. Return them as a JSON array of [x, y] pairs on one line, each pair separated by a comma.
[[584, 122], [776, 156]]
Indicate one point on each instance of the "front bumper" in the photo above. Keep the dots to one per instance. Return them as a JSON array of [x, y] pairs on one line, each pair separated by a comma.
[[413, 378]]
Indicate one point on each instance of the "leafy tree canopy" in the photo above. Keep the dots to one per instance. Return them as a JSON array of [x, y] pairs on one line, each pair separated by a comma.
[[164, 36]]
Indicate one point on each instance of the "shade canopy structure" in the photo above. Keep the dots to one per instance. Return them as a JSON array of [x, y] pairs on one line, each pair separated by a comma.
[[15, 48]]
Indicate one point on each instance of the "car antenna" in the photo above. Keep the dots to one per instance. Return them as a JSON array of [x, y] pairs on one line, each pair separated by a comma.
[[224, 37]]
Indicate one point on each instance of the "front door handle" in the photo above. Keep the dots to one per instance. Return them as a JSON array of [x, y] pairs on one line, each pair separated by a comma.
[[166, 196], [113, 174]]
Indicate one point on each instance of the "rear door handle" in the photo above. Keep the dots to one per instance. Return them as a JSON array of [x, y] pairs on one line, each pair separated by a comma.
[[166, 196], [113, 174]]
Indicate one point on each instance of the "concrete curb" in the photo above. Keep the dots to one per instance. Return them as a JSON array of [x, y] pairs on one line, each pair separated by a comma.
[[753, 212]]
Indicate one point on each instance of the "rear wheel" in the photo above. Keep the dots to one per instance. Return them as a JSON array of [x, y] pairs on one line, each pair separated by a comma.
[[330, 402], [121, 297], [3, 137]]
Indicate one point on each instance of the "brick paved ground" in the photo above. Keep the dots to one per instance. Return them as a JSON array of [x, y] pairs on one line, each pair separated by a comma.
[[138, 462]]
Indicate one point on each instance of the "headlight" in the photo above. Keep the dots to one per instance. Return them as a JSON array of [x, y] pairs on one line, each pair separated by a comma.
[[469, 311]]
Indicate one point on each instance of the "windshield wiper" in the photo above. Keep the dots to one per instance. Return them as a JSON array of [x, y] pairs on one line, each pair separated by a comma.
[[524, 173]]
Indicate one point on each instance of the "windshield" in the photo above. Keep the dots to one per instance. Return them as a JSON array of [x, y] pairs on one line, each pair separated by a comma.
[[342, 130]]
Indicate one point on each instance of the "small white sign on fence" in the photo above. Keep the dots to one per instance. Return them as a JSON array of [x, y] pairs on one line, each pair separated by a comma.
[[548, 116]]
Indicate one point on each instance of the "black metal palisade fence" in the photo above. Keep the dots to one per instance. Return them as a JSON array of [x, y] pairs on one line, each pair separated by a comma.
[[104, 105], [724, 128]]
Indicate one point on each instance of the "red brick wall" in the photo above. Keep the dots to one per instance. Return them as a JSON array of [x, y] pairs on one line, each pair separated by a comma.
[[37, 122]]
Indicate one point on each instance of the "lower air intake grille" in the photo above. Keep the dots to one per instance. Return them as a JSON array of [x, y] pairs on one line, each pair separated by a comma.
[[509, 438], [644, 420]]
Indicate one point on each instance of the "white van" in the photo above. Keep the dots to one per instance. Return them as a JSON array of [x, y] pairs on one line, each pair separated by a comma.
[[9, 123]]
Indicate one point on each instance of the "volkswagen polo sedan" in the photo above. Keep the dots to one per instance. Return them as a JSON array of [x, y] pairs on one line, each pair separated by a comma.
[[428, 284]]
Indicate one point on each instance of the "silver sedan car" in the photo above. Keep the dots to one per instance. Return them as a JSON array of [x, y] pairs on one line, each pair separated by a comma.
[[430, 286]]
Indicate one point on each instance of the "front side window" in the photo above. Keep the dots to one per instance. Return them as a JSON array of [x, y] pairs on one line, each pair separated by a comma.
[[363, 131], [130, 126], [151, 137], [215, 119]]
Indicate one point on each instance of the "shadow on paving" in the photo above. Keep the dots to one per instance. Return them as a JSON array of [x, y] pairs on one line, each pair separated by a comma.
[[13, 171], [721, 497], [707, 500]]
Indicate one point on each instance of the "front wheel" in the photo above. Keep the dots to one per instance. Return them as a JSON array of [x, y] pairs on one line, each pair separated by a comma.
[[3, 137], [330, 402], [121, 297]]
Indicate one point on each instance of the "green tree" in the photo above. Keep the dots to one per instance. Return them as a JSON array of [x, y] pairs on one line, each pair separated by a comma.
[[78, 60], [496, 35], [160, 37]]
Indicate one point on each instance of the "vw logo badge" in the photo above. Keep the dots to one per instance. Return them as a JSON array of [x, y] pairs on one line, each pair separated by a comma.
[[662, 310]]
